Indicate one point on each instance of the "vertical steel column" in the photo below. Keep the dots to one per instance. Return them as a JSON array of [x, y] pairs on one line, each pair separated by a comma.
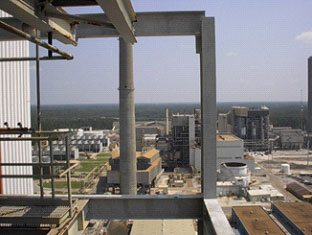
[[208, 108], [167, 122], [39, 118], [68, 176], [309, 127], [128, 168], [52, 169]]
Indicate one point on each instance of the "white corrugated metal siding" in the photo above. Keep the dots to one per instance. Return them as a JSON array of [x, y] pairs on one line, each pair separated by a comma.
[[14, 108]]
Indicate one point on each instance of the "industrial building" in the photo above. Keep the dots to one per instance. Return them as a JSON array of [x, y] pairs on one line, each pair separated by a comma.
[[14, 109], [299, 191], [183, 138], [295, 216], [85, 140], [59, 152], [147, 132], [144, 131], [254, 220], [288, 138], [67, 213], [148, 168], [229, 149], [251, 125]]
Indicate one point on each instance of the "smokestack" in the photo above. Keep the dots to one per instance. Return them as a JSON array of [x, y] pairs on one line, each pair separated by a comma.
[[309, 126], [167, 121], [128, 167]]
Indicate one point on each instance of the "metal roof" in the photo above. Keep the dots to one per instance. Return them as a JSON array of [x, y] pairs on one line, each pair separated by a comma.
[[256, 220], [300, 213]]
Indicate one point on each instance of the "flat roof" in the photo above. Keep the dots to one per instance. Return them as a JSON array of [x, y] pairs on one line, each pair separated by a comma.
[[162, 227], [148, 154], [300, 213], [222, 138], [258, 192], [256, 221]]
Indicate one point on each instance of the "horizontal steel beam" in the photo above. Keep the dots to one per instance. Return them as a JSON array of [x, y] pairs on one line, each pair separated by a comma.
[[28, 13], [121, 15], [145, 207], [217, 221], [208, 211], [33, 39], [13, 59], [148, 24], [73, 3]]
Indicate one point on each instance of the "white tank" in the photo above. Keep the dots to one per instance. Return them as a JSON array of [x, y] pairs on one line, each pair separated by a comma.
[[285, 168], [234, 171]]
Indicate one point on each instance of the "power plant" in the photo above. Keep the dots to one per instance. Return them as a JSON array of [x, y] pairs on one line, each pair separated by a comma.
[[186, 173]]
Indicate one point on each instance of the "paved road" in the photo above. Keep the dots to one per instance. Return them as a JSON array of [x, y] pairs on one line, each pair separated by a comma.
[[277, 182]]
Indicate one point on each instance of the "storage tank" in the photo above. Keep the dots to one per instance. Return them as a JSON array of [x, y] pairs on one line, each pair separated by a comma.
[[285, 168], [234, 171]]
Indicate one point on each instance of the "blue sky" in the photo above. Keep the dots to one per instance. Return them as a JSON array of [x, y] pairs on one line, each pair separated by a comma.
[[261, 49]]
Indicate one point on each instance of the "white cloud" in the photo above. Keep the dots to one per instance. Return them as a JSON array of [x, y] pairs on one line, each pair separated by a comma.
[[306, 37], [231, 53]]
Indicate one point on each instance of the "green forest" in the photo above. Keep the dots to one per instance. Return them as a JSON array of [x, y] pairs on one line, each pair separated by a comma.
[[102, 116]]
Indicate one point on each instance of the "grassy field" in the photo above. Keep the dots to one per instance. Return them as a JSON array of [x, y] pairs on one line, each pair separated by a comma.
[[63, 184], [88, 165]]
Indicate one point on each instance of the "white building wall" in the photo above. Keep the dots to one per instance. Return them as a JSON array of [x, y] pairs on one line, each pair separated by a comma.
[[14, 108], [229, 151]]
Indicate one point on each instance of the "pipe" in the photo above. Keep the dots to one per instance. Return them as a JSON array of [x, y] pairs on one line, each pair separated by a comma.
[[28, 138], [167, 122], [1, 184], [68, 169], [52, 169], [33, 39], [39, 117], [128, 167], [50, 40], [68, 174], [309, 127], [33, 58]]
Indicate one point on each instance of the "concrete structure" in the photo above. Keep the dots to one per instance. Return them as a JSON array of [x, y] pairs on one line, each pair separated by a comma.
[[128, 178], [258, 195], [288, 138], [229, 149], [235, 171], [163, 227], [254, 220], [309, 119], [223, 126], [14, 109], [203, 207], [228, 188], [295, 216], [251, 125], [147, 128], [148, 168]]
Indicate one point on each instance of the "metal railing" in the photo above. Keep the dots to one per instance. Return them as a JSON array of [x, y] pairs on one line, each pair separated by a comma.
[[49, 136]]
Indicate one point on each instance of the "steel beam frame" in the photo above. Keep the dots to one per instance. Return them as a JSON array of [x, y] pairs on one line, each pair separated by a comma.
[[204, 207], [28, 13], [121, 15]]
